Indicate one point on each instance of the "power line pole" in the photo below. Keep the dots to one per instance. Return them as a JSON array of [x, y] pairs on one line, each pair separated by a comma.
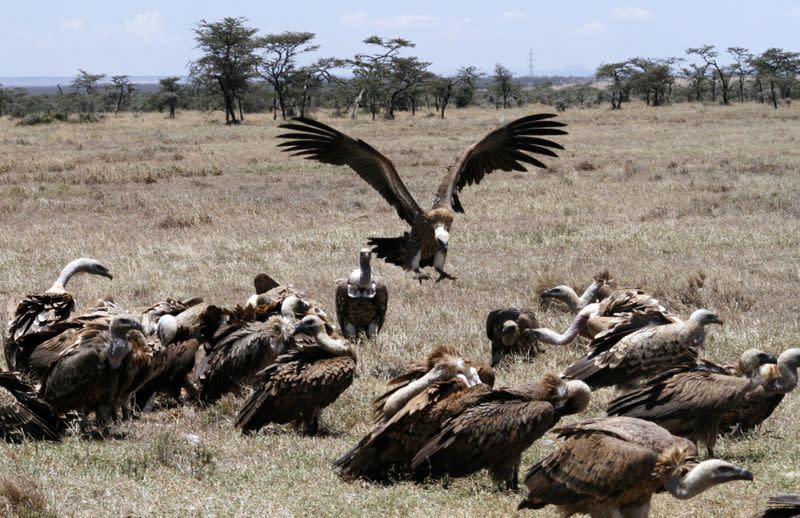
[[530, 67]]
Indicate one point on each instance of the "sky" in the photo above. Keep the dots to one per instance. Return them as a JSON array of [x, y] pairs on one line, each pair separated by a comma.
[[145, 38]]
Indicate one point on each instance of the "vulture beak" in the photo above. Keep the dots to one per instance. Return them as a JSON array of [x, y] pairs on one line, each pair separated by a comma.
[[716, 320], [742, 474], [304, 326], [549, 293]]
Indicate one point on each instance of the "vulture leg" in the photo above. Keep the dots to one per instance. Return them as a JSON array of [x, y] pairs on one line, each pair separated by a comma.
[[312, 421], [444, 275], [372, 330], [350, 330]]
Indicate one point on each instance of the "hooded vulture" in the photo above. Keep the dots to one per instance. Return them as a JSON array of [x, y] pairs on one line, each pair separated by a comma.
[[649, 350], [361, 300], [496, 428], [37, 313], [311, 375], [505, 329], [750, 413], [22, 414], [100, 370], [610, 467], [689, 401], [413, 413], [507, 148]]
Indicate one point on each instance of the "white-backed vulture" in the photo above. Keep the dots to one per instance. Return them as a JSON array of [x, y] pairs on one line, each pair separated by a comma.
[[550, 337], [386, 452], [36, 313], [301, 382], [497, 428], [594, 292], [645, 352], [505, 329], [610, 468], [418, 369], [690, 401], [100, 371], [361, 300], [782, 506], [750, 413], [169, 306], [23, 415], [506, 148]]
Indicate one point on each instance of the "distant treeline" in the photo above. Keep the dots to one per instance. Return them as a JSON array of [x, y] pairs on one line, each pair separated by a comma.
[[242, 72]]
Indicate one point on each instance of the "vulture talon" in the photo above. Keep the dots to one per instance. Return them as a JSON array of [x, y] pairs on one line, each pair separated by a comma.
[[444, 275], [421, 277]]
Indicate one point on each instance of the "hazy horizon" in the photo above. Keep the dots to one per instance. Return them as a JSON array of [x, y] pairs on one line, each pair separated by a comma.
[[156, 40]]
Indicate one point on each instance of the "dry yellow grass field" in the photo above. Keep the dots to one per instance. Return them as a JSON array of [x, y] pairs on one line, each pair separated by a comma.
[[189, 207]]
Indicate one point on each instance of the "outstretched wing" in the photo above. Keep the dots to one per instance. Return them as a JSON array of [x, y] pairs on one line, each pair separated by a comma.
[[507, 148], [314, 140]]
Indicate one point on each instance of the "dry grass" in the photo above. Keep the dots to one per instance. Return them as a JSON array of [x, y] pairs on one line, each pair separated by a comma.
[[189, 207]]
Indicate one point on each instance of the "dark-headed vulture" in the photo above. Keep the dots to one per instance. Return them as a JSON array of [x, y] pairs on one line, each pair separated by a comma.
[[311, 375], [610, 467], [496, 428], [507, 148], [753, 411], [690, 401], [505, 329], [100, 370], [36, 313], [621, 357], [23, 415], [361, 300]]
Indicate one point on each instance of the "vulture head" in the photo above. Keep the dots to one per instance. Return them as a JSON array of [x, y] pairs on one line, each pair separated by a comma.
[[785, 379], [703, 476], [119, 346], [82, 265], [752, 359], [442, 238], [705, 317], [167, 329], [576, 398], [563, 294], [314, 326], [509, 333], [293, 306]]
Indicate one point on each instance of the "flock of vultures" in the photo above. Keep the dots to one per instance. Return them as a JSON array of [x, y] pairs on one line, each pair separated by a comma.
[[445, 415]]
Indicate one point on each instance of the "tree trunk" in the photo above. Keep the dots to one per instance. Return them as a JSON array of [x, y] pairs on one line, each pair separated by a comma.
[[241, 113], [172, 110], [714, 92], [119, 100], [772, 91], [446, 97], [355, 104]]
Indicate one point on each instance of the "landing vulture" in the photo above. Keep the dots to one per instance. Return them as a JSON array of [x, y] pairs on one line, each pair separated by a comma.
[[648, 350], [36, 313], [495, 429], [610, 467], [361, 300], [690, 401], [507, 148], [311, 375]]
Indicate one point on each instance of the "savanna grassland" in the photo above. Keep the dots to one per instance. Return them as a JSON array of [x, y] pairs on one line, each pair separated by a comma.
[[699, 205]]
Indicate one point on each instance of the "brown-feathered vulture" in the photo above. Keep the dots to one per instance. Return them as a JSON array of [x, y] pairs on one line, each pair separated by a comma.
[[301, 382], [505, 329], [361, 300], [412, 414], [495, 429], [100, 370], [749, 414], [689, 401], [23, 415], [36, 313], [645, 352], [507, 148], [610, 468]]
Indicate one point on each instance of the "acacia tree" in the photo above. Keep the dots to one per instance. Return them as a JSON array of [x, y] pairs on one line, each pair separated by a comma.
[[779, 69], [442, 87], [695, 75], [278, 64], [709, 55], [653, 78], [618, 73], [228, 62], [168, 93], [123, 88], [87, 82], [504, 85], [741, 57]]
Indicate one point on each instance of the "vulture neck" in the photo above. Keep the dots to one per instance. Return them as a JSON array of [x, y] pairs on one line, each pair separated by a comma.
[[587, 295], [333, 346], [69, 271], [691, 484], [289, 307], [787, 368], [402, 396], [548, 336], [118, 348], [364, 273]]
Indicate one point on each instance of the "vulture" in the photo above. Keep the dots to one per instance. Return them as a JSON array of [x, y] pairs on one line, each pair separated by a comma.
[[36, 313], [496, 428], [596, 291], [361, 300], [301, 382], [412, 414], [610, 467], [648, 350], [507, 148], [782, 506], [548, 336], [262, 283], [506, 330], [100, 370], [750, 413], [418, 369], [689, 401], [23, 415], [171, 366]]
